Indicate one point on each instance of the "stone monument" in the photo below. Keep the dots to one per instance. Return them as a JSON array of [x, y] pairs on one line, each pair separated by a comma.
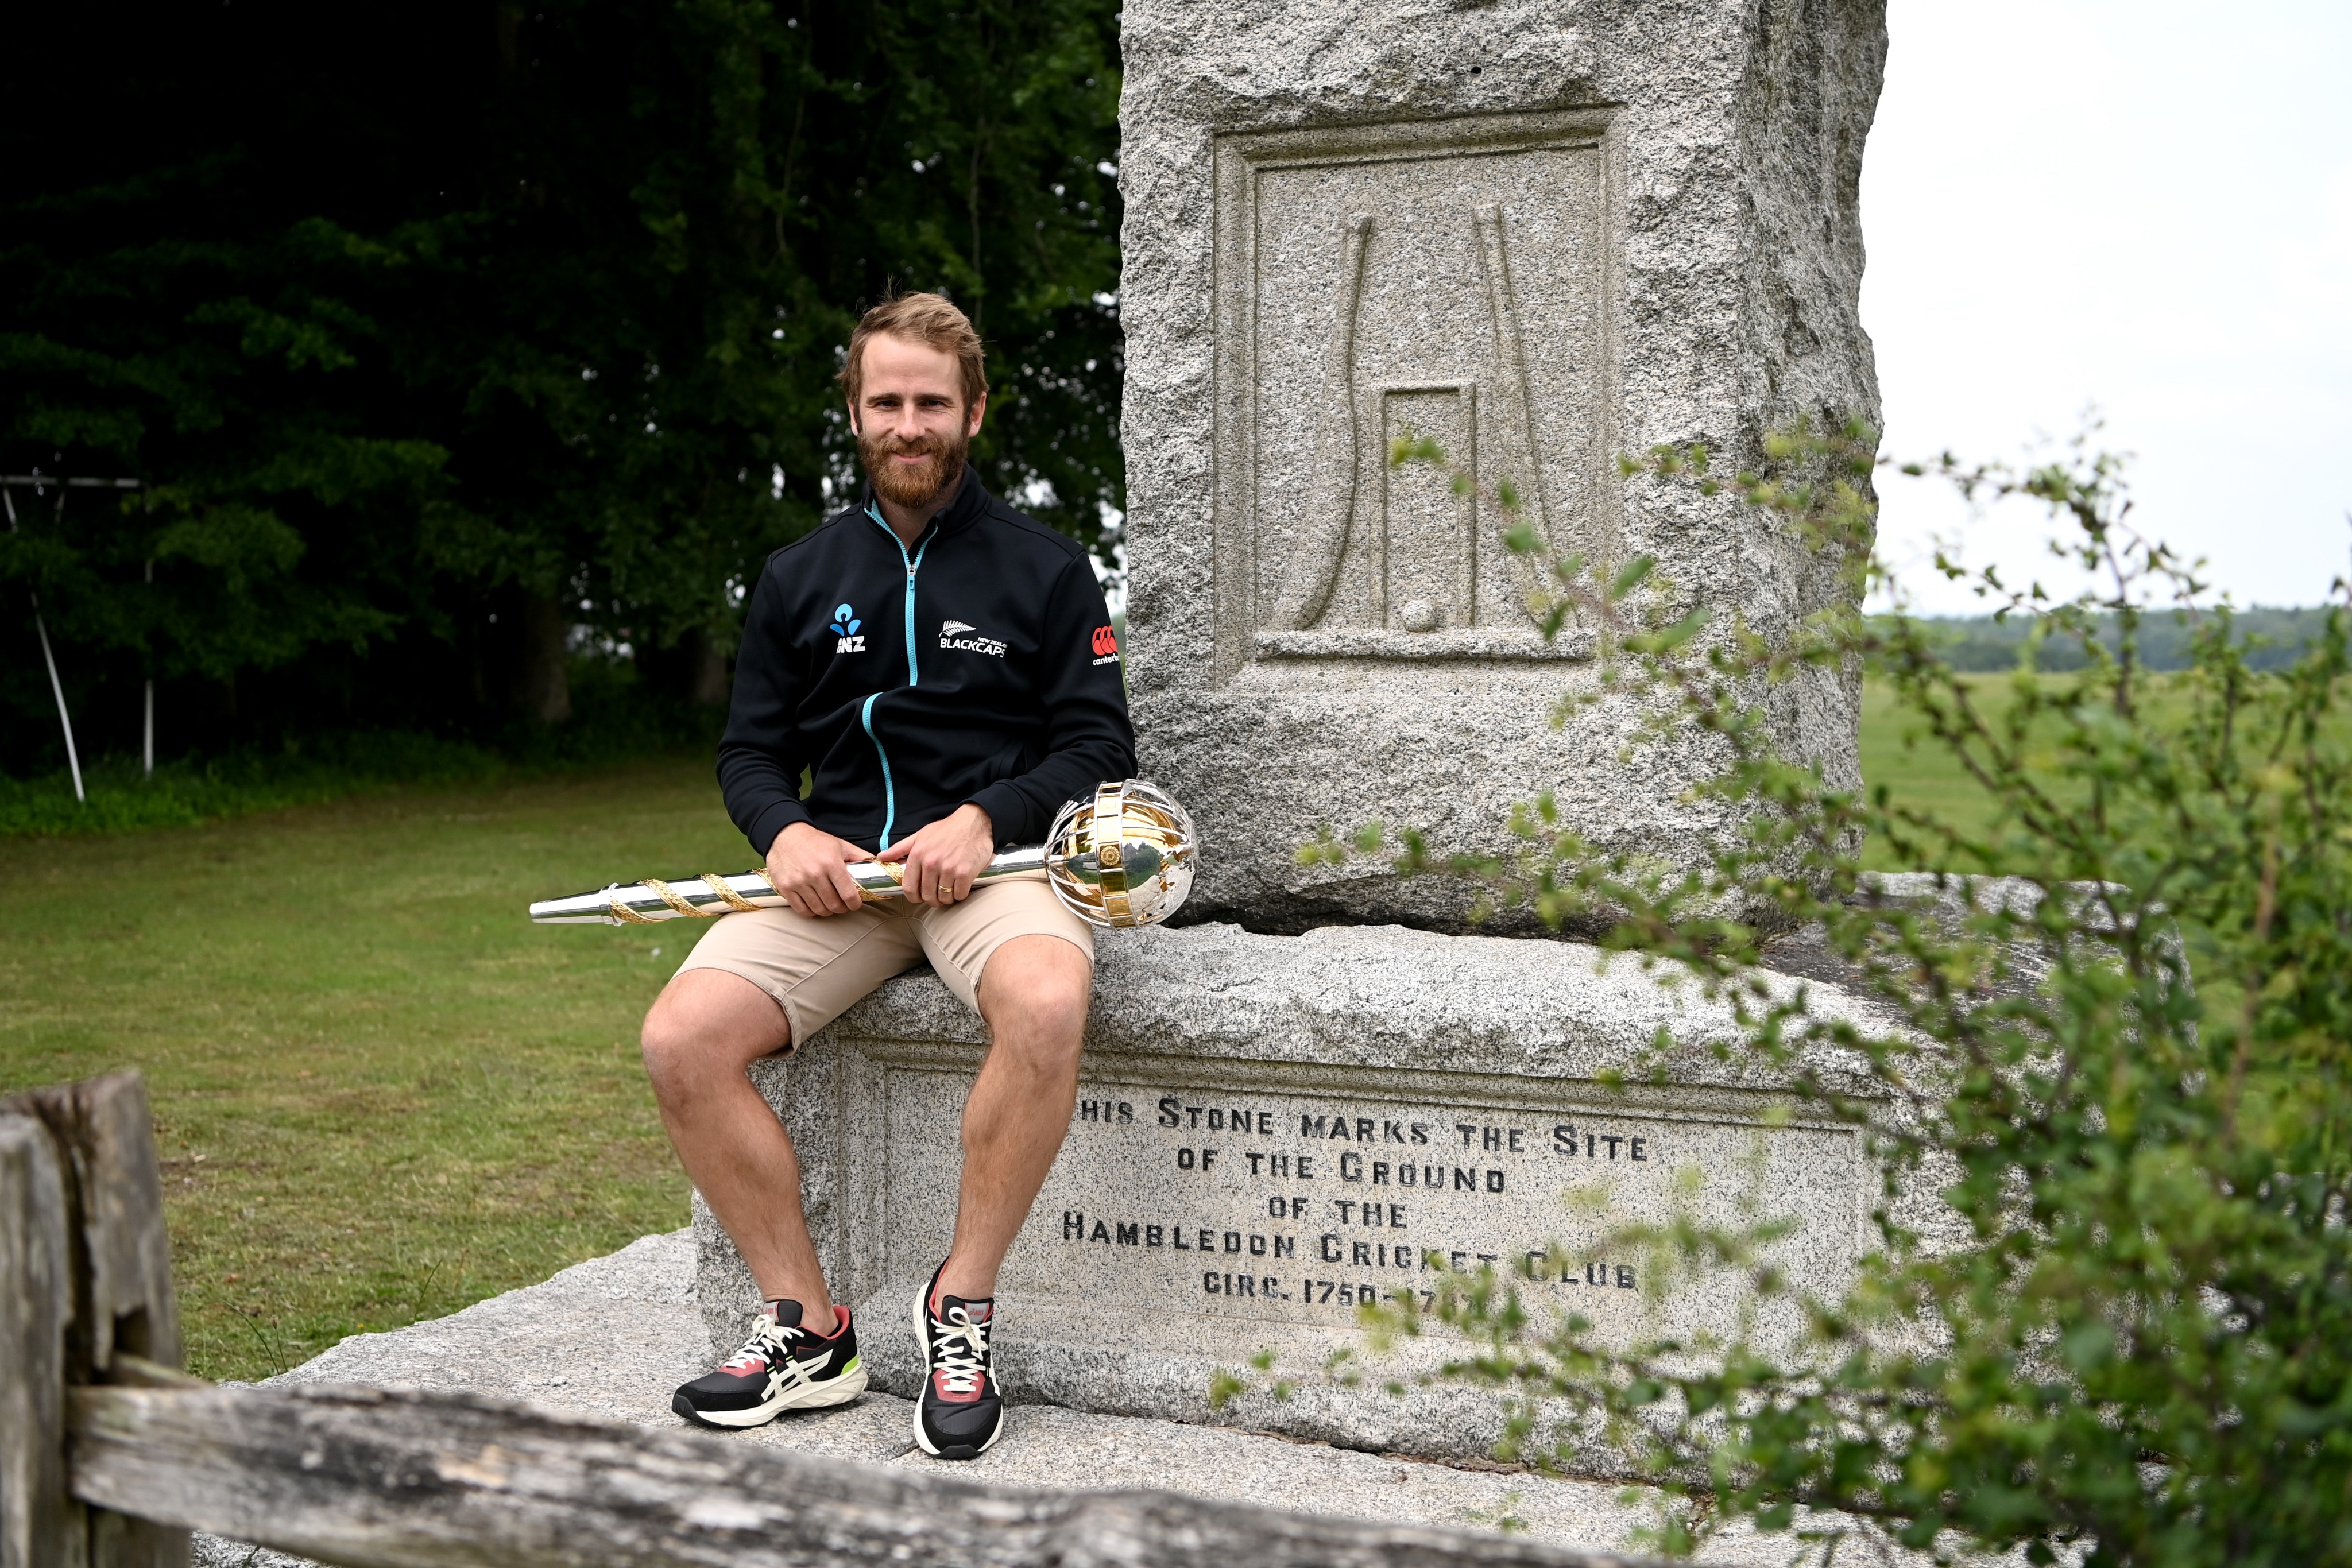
[[1545, 234]]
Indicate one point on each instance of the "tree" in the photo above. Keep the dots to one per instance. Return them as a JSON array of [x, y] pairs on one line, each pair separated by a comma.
[[438, 333]]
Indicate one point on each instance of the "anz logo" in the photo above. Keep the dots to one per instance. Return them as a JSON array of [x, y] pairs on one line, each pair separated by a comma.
[[844, 626]]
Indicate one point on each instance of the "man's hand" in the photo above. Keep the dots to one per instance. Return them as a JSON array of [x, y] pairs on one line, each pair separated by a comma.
[[810, 868], [942, 859]]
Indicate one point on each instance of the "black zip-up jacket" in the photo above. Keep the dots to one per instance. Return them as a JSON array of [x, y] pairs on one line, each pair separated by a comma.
[[977, 664]]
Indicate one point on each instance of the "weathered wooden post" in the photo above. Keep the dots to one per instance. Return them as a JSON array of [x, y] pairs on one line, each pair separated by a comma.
[[36, 1304], [85, 1297]]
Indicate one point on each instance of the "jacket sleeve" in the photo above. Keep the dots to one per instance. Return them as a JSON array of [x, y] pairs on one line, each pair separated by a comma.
[[1087, 739], [759, 759]]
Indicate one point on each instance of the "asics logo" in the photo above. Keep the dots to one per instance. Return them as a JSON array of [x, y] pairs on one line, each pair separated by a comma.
[[788, 1371], [845, 628]]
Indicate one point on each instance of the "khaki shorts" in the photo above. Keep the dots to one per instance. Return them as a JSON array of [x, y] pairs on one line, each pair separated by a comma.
[[816, 967]]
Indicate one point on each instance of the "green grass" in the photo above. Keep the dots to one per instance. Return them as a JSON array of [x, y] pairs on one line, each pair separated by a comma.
[[1918, 772], [381, 1094]]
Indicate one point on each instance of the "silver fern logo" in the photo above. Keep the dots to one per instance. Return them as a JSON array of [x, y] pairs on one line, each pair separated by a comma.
[[952, 635]]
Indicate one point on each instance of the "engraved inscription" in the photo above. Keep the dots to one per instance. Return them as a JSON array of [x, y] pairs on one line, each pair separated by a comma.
[[1296, 1208]]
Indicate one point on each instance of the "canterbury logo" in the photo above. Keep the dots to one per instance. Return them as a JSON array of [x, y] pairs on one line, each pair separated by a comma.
[[1106, 644]]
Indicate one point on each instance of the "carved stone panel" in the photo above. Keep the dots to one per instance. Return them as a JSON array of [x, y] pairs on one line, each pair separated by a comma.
[[1445, 280], [1544, 235]]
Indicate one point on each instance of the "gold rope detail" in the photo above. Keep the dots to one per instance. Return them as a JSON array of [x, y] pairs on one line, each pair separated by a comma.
[[676, 899], [628, 916], [734, 900]]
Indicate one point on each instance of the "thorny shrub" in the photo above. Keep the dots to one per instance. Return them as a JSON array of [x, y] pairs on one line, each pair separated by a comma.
[[2129, 1087]]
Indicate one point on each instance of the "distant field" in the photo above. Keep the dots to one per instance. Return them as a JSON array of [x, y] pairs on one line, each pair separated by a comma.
[[382, 1093], [1921, 774]]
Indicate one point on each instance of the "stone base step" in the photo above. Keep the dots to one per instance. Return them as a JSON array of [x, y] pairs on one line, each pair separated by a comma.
[[614, 1336]]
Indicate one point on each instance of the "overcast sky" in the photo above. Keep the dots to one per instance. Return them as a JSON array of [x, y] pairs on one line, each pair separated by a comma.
[[2137, 205]]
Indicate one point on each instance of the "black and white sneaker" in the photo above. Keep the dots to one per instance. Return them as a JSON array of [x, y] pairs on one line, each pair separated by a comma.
[[782, 1366], [961, 1411]]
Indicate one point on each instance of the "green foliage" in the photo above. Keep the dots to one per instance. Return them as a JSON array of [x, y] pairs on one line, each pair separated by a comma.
[[435, 332], [614, 717], [2128, 1082], [183, 793]]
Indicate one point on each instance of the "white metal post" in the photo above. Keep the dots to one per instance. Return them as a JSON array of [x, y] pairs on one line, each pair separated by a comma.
[[65, 719], [73, 762]]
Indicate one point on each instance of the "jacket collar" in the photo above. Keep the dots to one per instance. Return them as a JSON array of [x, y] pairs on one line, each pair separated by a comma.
[[972, 499]]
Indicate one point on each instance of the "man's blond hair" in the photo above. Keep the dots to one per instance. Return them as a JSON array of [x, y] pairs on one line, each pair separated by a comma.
[[929, 318]]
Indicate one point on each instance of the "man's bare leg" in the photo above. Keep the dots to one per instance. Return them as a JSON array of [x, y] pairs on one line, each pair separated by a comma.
[[1033, 995], [704, 1030]]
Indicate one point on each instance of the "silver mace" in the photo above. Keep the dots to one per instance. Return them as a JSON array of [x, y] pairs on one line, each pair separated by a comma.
[[710, 895], [1122, 857]]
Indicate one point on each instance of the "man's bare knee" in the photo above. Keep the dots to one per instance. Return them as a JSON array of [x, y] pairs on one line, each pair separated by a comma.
[[708, 1024], [1037, 987]]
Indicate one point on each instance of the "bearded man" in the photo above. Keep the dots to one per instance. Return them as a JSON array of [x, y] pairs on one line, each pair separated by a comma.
[[943, 668]]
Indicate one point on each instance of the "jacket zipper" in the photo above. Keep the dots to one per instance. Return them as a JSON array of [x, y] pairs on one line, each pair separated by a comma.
[[866, 713], [890, 796]]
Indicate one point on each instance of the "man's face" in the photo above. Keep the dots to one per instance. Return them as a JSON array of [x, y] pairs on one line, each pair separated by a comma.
[[913, 426]]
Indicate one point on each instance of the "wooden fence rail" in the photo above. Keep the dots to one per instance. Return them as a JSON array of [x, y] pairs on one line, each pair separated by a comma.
[[108, 1454]]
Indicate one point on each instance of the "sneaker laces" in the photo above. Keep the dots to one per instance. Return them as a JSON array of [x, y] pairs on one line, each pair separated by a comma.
[[770, 1344], [960, 1351]]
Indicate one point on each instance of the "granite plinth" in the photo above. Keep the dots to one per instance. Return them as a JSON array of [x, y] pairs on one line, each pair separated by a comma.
[[1273, 1130], [1545, 235]]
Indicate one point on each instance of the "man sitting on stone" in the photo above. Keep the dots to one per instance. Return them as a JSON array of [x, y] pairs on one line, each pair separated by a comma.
[[943, 665]]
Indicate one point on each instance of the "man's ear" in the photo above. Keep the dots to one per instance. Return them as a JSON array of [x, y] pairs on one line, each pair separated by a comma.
[[853, 416], [972, 423]]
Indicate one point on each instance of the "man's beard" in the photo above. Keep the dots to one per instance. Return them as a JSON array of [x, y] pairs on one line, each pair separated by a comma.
[[925, 482]]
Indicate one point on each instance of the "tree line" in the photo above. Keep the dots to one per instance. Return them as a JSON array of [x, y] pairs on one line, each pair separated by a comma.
[[445, 341], [2163, 639]]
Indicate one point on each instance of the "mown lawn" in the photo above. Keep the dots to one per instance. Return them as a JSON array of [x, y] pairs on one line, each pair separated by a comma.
[[381, 1094]]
